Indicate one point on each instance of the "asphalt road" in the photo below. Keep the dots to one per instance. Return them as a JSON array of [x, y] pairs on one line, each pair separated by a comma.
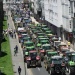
[[37, 71]]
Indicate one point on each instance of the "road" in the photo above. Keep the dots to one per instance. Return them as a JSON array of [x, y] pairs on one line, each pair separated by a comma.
[[35, 71]]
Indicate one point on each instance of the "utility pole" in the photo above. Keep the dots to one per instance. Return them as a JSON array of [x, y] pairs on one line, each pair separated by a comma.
[[1, 22]]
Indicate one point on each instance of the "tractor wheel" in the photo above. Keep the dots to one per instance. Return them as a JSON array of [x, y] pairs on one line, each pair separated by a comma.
[[52, 72], [48, 69], [42, 57], [39, 63], [71, 71], [63, 71], [28, 64]]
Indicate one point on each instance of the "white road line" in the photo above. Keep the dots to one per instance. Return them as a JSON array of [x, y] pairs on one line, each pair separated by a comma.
[[28, 71], [38, 69]]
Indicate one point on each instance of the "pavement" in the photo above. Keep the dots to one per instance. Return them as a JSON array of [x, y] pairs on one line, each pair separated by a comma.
[[16, 60]]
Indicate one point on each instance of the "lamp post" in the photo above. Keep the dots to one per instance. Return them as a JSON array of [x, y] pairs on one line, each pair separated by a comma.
[[61, 31]]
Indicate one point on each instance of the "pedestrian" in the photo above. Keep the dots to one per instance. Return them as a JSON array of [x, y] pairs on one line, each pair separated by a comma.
[[69, 45], [6, 33], [15, 35], [16, 48], [14, 31], [15, 52], [19, 70], [59, 38], [11, 34], [8, 24]]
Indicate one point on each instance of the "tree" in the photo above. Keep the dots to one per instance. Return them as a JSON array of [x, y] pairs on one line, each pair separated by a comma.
[[1, 22]]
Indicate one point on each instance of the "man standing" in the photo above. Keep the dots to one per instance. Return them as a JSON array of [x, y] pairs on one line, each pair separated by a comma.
[[19, 70]]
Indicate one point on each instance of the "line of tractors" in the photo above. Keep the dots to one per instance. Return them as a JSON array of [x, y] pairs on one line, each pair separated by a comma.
[[39, 44]]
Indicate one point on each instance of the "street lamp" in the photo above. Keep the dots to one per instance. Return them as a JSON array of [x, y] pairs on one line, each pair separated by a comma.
[[61, 31]]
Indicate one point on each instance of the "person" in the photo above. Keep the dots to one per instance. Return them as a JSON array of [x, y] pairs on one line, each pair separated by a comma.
[[16, 48], [15, 52], [69, 45], [8, 24], [19, 70], [15, 35], [59, 38]]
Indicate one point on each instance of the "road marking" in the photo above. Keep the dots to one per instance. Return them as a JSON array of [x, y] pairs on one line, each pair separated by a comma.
[[28, 70], [39, 69]]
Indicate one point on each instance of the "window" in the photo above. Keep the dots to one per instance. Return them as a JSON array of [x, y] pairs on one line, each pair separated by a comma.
[[70, 24], [69, 10]]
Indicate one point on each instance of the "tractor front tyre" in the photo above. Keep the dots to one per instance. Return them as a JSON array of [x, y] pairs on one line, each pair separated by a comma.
[[28, 64], [39, 63], [52, 72], [63, 71], [71, 71]]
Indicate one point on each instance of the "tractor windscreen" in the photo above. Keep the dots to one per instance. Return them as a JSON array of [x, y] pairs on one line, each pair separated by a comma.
[[33, 54], [57, 61]]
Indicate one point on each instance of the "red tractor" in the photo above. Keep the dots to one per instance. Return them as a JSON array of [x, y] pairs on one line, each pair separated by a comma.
[[33, 59]]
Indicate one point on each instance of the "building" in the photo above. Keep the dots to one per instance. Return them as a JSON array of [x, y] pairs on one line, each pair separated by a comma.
[[37, 9], [12, 1], [59, 17], [1, 23], [53, 15]]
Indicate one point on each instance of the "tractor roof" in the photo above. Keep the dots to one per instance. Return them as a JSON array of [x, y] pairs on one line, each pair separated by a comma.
[[56, 57], [46, 45], [32, 51], [51, 52]]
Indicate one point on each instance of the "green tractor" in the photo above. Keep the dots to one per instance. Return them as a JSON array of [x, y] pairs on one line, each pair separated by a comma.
[[25, 55], [56, 65], [29, 45], [33, 59], [46, 47], [45, 29], [48, 32], [43, 40], [40, 36], [71, 64], [44, 26], [48, 56], [38, 45], [27, 39]]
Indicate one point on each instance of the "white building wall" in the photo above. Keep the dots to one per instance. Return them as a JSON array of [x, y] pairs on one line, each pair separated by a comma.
[[35, 6], [59, 13], [53, 12], [42, 5], [66, 15], [13, 1], [46, 11]]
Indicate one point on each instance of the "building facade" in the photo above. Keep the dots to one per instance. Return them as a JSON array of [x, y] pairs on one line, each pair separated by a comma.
[[53, 15], [59, 16], [39, 8], [13, 1]]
